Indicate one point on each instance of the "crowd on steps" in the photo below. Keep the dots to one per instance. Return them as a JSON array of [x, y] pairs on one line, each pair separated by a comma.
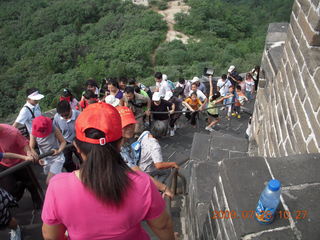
[[105, 168]]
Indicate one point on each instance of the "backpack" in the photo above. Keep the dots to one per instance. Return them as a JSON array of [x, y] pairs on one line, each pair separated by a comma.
[[171, 85], [136, 148]]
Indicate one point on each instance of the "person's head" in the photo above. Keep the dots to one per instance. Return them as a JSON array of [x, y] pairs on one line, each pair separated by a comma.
[[133, 82], [194, 95], [33, 96], [224, 77], [41, 127], [249, 76], [215, 96], [178, 92], [89, 94], [123, 81], [66, 95], [182, 81], [129, 93], [137, 89], [194, 86], [231, 89], [238, 89], [128, 122], [64, 109], [158, 76], [156, 98], [98, 140], [113, 85], [91, 84]]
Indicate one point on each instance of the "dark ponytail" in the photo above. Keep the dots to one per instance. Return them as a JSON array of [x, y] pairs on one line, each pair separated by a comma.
[[104, 172]]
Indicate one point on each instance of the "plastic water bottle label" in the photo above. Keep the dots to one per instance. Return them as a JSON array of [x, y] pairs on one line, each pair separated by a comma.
[[263, 214]]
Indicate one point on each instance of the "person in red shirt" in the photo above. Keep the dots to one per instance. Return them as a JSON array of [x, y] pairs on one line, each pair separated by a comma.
[[11, 141]]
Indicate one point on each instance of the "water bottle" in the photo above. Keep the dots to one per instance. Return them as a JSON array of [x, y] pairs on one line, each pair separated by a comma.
[[268, 202]]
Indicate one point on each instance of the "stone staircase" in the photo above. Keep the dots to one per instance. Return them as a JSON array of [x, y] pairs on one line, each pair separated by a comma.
[[224, 179]]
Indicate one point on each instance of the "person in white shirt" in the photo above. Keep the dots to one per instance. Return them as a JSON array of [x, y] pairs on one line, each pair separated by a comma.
[[162, 86], [200, 85], [200, 94], [30, 110], [185, 85], [223, 85]]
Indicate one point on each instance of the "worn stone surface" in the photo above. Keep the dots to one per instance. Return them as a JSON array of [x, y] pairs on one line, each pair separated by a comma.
[[286, 234]]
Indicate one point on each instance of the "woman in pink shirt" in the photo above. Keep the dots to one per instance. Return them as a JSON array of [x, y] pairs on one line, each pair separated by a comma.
[[105, 199]]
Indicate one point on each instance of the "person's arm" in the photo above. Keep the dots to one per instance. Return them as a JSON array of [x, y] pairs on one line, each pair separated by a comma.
[[211, 86], [165, 165], [62, 141], [220, 100], [160, 186], [54, 232], [188, 106], [19, 156], [148, 106], [32, 145], [162, 226], [173, 108]]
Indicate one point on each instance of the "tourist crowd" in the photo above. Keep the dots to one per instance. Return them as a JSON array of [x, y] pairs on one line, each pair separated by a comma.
[[106, 146]]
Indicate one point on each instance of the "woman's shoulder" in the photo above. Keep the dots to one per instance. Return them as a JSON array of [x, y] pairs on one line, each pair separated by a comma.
[[61, 178], [140, 177]]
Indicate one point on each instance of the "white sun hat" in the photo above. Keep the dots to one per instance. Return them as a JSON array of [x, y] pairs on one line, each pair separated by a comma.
[[156, 96], [168, 95], [112, 100], [231, 68], [195, 79], [35, 96]]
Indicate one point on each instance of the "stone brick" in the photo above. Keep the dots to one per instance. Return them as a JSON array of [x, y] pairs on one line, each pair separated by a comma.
[[296, 49], [313, 38], [315, 3], [281, 150], [288, 148], [312, 119], [295, 9], [302, 118], [316, 78], [311, 90], [295, 28], [314, 19], [298, 81], [292, 111], [284, 76], [305, 6], [283, 104], [291, 56], [311, 56], [291, 82], [312, 147], [300, 140], [291, 136]]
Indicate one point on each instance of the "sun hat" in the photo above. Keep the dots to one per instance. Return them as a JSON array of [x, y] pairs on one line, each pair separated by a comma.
[[127, 116], [156, 96], [168, 95], [41, 126], [195, 79], [112, 100], [231, 68], [100, 116], [35, 95]]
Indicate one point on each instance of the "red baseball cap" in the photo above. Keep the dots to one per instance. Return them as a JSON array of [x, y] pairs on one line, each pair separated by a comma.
[[100, 116], [41, 126], [127, 116]]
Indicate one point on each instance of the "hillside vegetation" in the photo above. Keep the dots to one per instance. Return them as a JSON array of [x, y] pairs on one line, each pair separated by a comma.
[[52, 44], [230, 32]]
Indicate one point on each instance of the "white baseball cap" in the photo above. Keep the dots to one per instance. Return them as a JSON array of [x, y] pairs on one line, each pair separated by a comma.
[[231, 68], [195, 79], [112, 100], [168, 95], [156, 96], [35, 96]]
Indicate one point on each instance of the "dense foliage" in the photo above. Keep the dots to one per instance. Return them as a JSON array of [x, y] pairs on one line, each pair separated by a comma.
[[231, 32], [52, 44]]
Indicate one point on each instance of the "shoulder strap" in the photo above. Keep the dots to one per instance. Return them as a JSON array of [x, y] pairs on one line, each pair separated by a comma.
[[142, 136], [32, 113]]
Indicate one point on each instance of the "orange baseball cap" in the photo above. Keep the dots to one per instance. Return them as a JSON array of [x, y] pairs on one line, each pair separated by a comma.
[[41, 126], [100, 116], [127, 116]]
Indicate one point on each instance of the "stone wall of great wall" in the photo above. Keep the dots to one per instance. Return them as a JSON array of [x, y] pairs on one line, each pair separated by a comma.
[[286, 119]]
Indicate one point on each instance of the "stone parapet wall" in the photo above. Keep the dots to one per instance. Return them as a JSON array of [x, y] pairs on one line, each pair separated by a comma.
[[286, 119]]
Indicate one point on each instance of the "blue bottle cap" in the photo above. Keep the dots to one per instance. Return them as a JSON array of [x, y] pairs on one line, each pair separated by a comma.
[[274, 185]]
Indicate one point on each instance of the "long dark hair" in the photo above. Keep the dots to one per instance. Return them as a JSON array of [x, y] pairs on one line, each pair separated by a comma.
[[104, 172]]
